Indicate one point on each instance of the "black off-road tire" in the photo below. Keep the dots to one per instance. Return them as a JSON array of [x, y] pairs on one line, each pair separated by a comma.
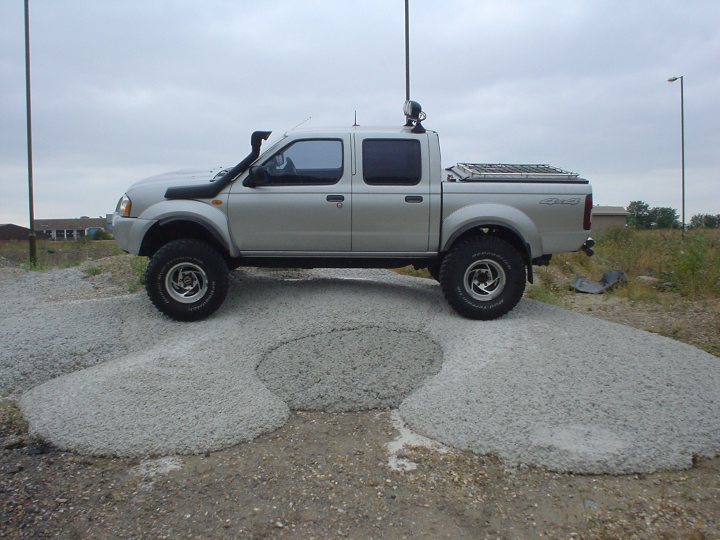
[[483, 277], [187, 280]]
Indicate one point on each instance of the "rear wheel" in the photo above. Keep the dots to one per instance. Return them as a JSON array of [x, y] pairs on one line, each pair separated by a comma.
[[187, 280], [483, 277]]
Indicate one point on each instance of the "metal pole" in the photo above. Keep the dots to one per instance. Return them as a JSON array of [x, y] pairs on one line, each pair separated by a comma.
[[407, 50], [31, 236], [682, 142], [682, 148]]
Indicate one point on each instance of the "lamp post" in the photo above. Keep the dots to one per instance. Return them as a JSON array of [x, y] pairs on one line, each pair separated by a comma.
[[682, 143]]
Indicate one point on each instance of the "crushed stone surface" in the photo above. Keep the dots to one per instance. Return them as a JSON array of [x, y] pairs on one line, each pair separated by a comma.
[[108, 375], [385, 366]]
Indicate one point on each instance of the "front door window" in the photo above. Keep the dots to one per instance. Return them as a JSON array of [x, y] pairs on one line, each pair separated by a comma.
[[307, 162]]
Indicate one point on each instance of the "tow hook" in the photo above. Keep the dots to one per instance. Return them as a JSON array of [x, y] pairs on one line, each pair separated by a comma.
[[587, 247]]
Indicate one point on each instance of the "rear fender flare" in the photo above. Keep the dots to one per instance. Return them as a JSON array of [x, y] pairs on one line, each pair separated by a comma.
[[491, 215]]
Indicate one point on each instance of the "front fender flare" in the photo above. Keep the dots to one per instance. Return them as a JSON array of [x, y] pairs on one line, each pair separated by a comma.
[[205, 215]]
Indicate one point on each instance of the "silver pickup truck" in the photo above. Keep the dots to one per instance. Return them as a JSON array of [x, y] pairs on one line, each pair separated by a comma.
[[359, 198]]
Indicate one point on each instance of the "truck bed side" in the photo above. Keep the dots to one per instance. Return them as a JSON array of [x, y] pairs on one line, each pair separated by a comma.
[[548, 216]]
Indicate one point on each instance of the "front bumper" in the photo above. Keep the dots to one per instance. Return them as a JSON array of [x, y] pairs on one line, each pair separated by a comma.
[[129, 232]]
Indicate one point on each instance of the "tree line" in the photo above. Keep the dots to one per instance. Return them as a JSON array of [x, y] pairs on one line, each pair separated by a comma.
[[643, 216]]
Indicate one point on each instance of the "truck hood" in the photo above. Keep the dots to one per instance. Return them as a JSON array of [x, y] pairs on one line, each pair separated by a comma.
[[150, 191], [179, 178]]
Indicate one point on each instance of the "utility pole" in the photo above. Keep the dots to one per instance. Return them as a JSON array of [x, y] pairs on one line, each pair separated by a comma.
[[31, 237], [407, 50]]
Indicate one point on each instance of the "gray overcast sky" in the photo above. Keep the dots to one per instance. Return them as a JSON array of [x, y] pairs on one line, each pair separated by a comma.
[[127, 89]]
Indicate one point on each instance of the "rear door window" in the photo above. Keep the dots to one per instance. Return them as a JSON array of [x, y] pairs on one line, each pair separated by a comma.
[[392, 162]]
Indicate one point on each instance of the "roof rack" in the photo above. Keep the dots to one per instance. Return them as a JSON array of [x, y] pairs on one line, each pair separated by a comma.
[[466, 171]]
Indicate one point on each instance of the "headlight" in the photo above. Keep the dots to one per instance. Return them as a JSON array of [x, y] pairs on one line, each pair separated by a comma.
[[124, 206]]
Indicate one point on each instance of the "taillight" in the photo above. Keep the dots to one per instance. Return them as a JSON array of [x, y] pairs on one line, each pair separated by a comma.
[[587, 218]]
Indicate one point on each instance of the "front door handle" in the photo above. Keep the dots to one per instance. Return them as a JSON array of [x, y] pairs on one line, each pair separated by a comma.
[[335, 198], [413, 199]]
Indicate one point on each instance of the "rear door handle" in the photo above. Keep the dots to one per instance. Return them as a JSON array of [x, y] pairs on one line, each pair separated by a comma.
[[413, 199], [335, 198]]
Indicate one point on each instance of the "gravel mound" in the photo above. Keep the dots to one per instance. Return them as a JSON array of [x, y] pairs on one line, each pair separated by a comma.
[[52, 323], [172, 399], [570, 392], [540, 386]]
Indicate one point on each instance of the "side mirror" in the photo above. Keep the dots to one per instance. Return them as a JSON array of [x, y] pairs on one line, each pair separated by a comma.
[[257, 176]]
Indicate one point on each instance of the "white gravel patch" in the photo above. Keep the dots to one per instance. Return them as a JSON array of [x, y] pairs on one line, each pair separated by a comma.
[[408, 438], [150, 468], [541, 386]]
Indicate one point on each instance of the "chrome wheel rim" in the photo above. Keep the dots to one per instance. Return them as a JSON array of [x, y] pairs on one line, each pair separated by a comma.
[[186, 283], [484, 280]]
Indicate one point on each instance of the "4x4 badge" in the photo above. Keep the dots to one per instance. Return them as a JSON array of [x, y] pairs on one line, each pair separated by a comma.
[[555, 200]]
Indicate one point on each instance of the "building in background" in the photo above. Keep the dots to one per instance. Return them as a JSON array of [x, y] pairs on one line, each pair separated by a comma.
[[69, 229], [10, 232], [604, 217]]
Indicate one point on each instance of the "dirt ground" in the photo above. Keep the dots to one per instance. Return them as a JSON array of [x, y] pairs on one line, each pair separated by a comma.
[[693, 322], [327, 475]]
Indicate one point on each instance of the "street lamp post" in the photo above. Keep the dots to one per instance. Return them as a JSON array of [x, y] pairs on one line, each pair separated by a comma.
[[682, 143]]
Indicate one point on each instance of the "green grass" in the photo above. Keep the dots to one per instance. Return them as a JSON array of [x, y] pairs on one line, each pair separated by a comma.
[[541, 294], [138, 265], [688, 265], [59, 254], [550, 287], [11, 419], [92, 271]]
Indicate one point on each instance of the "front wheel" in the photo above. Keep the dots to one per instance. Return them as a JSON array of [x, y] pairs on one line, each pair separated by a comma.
[[187, 280], [483, 277]]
